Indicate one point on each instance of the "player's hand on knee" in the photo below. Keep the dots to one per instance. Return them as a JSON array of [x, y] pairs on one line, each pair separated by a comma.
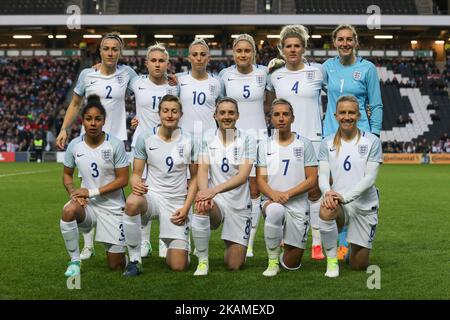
[[139, 189], [81, 201], [80, 193], [179, 217]]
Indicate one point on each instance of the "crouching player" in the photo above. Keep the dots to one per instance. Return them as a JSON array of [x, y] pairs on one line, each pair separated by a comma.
[[103, 166], [286, 171], [352, 157], [227, 155], [165, 194]]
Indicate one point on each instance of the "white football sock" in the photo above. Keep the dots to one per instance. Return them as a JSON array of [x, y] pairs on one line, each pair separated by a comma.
[[329, 233], [256, 213], [69, 231], [132, 230], [89, 238], [273, 229], [201, 232], [145, 231], [314, 208]]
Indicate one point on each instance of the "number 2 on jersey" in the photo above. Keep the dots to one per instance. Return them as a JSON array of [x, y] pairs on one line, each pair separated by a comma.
[[108, 92]]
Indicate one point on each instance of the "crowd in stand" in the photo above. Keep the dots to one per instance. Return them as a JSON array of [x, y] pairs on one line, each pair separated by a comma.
[[32, 99], [441, 145]]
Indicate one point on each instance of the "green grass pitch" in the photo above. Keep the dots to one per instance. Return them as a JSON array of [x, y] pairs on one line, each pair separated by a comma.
[[411, 249]]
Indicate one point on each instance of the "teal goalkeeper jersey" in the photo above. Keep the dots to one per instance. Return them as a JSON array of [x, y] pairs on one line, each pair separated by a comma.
[[360, 80]]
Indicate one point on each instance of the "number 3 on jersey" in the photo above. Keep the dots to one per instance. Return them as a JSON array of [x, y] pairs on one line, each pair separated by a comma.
[[95, 172]]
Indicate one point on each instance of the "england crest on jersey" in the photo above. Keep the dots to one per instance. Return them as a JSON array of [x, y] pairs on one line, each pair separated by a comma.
[[298, 153], [180, 149], [363, 149], [357, 75], [310, 75], [212, 89], [236, 152], [260, 80], [119, 79], [107, 155]]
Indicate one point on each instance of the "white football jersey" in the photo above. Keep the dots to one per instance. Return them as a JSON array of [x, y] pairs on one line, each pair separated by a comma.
[[96, 167], [286, 167], [249, 91], [348, 167], [167, 162], [148, 95], [302, 89], [111, 89], [198, 98], [224, 162]]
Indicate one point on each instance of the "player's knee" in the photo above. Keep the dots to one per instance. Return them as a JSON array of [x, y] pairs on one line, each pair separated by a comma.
[[131, 207], [359, 265], [234, 265], [69, 213], [178, 267], [314, 194], [326, 214]]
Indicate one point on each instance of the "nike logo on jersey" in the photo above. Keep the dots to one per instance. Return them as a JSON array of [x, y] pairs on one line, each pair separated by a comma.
[[80, 155], [229, 79], [332, 149], [212, 148], [183, 84], [269, 154], [141, 88], [151, 149], [92, 82], [278, 78]]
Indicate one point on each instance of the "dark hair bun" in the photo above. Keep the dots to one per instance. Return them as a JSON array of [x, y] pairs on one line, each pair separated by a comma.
[[93, 99]]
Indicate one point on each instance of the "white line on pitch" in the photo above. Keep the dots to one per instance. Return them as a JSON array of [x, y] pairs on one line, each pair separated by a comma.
[[25, 172]]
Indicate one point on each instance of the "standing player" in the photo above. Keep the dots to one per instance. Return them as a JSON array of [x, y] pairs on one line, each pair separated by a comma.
[[348, 74], [300, 83], [168, 153], [199, 91], [246, 83], [227, 156], [352, 157], [103, 166], [149, 90], [287, 169], [110, 83]]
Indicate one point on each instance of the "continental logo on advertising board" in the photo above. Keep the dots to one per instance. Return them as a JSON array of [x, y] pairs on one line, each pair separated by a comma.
[[440, 158], [405, 158]]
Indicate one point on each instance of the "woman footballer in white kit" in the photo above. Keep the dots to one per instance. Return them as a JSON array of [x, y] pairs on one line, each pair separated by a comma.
[[286, 170], [103, 166], [109, 81], [352, 157], [227, 155], [148, 91], [199, 91], [246, 83], [300, 83], [168, 153]]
